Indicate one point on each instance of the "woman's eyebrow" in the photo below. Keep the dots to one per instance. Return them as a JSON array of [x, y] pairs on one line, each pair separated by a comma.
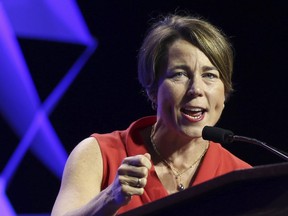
[[208, 68], [180, 66]]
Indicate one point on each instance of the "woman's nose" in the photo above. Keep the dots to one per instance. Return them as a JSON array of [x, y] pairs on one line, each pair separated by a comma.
[[195, 87]]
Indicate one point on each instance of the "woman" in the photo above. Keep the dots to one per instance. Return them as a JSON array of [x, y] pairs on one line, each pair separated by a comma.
[[185, 66]]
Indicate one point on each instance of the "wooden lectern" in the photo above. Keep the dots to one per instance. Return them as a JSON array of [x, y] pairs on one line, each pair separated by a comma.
[[262, 190]]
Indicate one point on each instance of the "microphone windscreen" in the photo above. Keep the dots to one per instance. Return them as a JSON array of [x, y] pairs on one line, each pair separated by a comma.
[[217, 135]]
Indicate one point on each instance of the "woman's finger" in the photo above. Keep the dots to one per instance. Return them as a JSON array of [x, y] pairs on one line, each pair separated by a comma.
[[133, 181], [138, 161], [133, 171]]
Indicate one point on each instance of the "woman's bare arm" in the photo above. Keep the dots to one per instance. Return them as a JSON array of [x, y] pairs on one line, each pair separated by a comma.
[[80, 192]]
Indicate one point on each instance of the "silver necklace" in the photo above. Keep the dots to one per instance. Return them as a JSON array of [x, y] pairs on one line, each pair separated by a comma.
[[176, 173]]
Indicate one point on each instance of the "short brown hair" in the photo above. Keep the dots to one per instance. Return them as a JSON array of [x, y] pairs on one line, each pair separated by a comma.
[[206, 37]]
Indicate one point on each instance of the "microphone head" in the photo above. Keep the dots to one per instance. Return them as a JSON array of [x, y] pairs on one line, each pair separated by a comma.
[[217, 135]]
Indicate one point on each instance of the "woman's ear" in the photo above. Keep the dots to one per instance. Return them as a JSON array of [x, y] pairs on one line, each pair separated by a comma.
[[153, 98]]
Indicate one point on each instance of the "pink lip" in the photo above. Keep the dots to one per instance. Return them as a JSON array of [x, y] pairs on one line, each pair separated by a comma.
[[193, 119]]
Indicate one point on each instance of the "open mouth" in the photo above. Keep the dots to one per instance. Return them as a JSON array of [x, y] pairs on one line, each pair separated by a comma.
[[195, 114]]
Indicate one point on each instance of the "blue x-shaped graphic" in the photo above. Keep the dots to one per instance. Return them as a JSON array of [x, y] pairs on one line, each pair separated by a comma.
[[20, 103]]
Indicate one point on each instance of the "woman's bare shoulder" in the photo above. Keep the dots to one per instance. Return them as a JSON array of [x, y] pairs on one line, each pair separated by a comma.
[[87, 147], [86, 155]]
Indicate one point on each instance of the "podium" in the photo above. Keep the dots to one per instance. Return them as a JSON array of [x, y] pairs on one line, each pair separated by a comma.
[[262, 190]]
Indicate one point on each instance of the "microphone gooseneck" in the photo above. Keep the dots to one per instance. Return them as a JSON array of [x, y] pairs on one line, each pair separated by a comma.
[[223, 136]]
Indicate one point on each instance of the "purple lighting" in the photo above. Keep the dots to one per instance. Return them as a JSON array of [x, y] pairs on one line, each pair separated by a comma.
[[20, 103], [6, 208], [48, 20]]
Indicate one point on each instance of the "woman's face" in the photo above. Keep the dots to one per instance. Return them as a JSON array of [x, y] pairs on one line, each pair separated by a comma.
[[190, 93]]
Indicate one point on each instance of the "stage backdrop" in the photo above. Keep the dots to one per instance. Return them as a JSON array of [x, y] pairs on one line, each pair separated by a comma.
[[68, 69]]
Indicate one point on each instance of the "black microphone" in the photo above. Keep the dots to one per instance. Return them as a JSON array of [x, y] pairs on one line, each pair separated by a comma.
[[223, 136]]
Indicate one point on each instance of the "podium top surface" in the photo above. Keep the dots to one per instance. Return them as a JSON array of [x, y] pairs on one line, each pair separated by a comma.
[[261, 190]]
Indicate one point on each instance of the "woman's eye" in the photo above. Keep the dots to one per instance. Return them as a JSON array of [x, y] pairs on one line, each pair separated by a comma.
[[210, 75], [179, 74]]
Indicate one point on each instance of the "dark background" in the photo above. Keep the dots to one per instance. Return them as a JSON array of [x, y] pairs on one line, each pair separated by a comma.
[[106, 95]]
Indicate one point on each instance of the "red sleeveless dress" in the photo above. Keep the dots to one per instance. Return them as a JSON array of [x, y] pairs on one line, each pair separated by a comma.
[[117, 145]]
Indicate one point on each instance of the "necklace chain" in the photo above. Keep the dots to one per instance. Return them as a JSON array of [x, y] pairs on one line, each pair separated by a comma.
[[176, 173]]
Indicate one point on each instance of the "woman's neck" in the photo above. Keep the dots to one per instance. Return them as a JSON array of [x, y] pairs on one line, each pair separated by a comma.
[[179, 150]]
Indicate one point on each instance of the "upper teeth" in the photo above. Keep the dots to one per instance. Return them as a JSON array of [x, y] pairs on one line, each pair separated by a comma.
[[195, 110]]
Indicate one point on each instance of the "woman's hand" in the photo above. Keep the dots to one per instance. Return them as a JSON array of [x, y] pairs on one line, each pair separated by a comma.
[[131, 178]]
